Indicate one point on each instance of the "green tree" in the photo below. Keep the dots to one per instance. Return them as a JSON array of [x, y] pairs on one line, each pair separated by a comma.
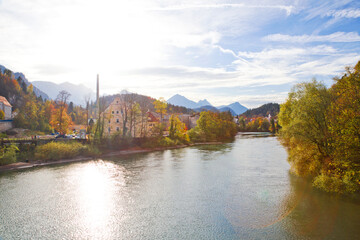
[[2, 115], [8, 154], [272, 127], [213, 127], [321, 130]]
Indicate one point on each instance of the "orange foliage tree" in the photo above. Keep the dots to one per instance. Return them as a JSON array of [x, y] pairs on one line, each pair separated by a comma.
[[60, 120]]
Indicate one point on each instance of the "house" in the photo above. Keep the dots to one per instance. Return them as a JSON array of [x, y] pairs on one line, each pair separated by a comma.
[[185, 118], [153, 120], [193, 120], [5, 106], [113, 116]]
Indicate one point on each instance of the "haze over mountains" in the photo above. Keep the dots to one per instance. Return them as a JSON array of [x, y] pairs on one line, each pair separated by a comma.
[[78, 92], [179, 100], [50, 90]]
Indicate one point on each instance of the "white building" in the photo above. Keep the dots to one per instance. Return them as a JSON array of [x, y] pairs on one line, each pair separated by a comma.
[[5, 106]]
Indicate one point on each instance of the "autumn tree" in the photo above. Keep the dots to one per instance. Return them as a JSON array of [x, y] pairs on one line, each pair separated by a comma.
[[344, 127], [100, 123], [61, 121], [160, 106], [177, 129], [2, 115], [320, 128], [213, 126], [144, 105]]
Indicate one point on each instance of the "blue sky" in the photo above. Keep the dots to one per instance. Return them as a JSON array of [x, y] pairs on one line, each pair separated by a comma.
[[226, 51]]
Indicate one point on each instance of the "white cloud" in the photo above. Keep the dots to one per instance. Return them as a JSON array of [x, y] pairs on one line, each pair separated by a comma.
[[276, 66], [194, 40], [334, 37], [344, 13], [287, 8]]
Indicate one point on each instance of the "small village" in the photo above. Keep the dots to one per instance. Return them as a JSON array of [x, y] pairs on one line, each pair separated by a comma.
[[138, 123]]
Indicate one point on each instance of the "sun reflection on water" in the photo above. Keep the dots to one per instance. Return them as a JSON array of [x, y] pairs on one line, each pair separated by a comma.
[[98, 183]]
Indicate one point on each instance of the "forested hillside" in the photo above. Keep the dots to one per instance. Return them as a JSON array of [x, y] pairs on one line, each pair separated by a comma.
[[263, 111]]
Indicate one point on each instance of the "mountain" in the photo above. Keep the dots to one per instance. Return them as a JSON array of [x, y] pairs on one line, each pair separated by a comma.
[[145, 101], [78, 92], [225, 109], [179, 100], [36, 90], [206, 108], [263, 111], [237, 108], [202, 103]]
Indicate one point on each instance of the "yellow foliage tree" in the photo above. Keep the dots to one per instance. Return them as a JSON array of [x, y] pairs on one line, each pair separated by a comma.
[[177, 129]]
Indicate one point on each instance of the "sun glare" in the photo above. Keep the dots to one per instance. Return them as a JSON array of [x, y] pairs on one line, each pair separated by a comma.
[[96, 191]]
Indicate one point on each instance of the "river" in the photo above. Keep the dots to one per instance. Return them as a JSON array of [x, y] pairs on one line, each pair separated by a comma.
[[238, 190]]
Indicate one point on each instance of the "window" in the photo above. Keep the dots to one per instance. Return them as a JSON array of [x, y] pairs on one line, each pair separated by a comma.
[[117, 129], [117, 112], [117, 101], [109, 129], [109, 120], [112, 112], [117, 120]]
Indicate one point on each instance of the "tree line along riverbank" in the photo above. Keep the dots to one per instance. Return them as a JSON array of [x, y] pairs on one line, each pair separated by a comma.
[[211, 127], [321, 131]]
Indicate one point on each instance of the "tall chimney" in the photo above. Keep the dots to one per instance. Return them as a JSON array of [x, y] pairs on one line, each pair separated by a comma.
[[97, 96]]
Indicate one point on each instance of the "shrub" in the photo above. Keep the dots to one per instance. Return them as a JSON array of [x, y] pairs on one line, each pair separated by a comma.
[[8, 154], [2, 115], [3, 135], [61, 150], [166, 142], [336, 184]]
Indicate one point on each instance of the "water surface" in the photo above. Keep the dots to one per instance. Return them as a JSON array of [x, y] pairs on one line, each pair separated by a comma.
[[239, 190]]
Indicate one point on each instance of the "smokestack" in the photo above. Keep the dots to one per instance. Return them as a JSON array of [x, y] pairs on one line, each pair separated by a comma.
[[97, 96]]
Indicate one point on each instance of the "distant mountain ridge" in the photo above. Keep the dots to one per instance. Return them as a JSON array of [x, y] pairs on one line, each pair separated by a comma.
[[78, 92], [179, 100], [36, 90]]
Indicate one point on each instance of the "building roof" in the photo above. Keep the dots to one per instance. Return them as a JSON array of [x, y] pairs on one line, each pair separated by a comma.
[[4, 101]]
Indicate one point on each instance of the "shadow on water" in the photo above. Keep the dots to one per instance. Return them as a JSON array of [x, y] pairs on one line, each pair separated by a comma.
[[320, 215], [302, 213], [222, 148], [255, 134]]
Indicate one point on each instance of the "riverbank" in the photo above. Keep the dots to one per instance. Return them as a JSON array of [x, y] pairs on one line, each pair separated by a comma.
[[129, 151]]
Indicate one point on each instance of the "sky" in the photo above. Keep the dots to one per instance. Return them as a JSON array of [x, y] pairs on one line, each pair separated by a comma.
[[252, 52]]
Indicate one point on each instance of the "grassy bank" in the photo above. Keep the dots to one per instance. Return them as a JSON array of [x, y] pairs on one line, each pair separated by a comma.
[[62, 150]]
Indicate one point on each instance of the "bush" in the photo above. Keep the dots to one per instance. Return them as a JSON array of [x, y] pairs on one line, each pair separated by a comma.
[[160, 142], [2, 115], [3, 135], [336, 184], [8, 154], [166, 142], [61, 150], [328, 183]]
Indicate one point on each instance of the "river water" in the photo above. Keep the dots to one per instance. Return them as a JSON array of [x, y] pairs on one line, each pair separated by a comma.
[[238, 190]]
